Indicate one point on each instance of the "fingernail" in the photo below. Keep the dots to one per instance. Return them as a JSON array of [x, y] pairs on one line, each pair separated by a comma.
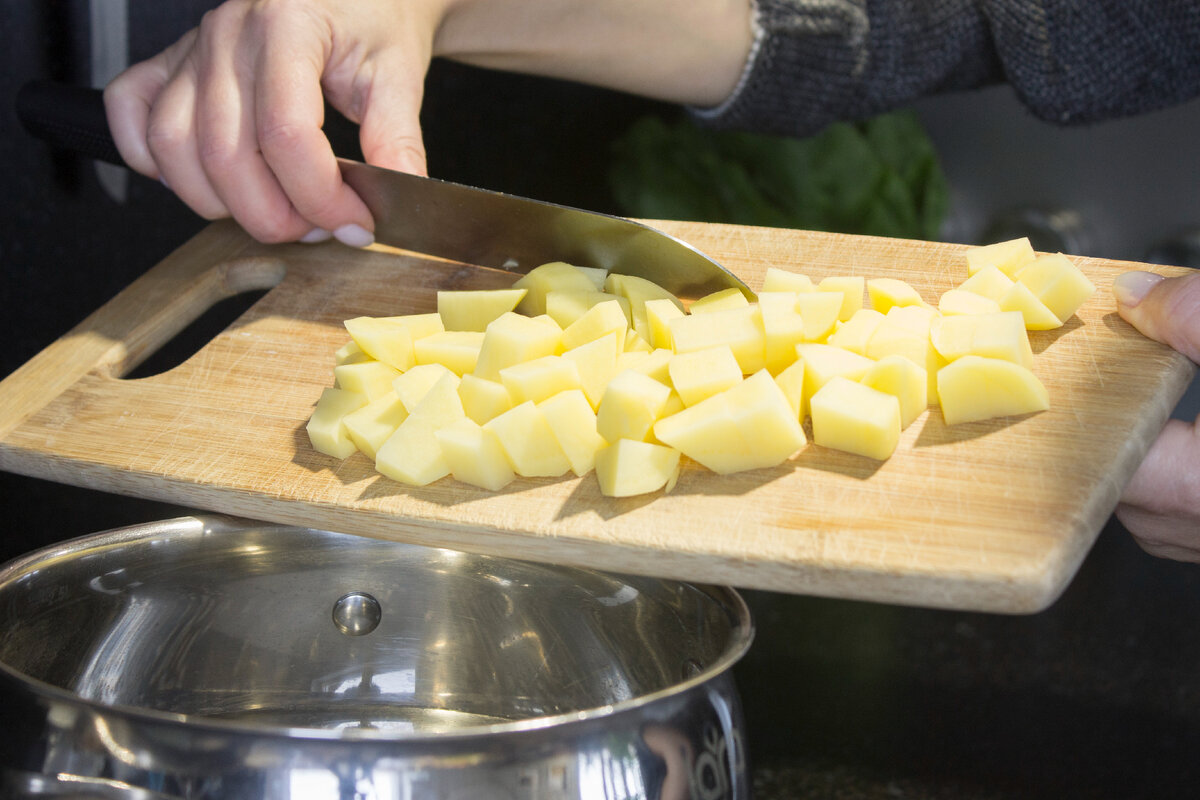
[[1130, 288], [354, 235], [163, 181], [315, 235]]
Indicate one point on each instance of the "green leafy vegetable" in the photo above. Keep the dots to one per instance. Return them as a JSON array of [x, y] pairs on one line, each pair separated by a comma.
[[879, 177]]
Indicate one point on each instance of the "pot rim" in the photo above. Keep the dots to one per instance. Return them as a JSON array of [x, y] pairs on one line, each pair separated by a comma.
[[205, 524]]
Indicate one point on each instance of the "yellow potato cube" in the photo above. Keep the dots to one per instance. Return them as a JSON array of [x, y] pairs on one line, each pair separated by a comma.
[[888, 293], [631, 404], [599, 320], [512, 338], [634, 343], [412, 386], [703, 373], [390, 339], [783, 329], [1037, 316], [638, 291], [457, 351], [349, 353], [325, 427], [597, 363], [482, 399], [564, 307], [988, 282], [779, 280], [905, 332], [626, 468], [791, 383], [820, 313], [555, 276], [596, 274], [573, 422], [856, 332], [851, 288], [412, 454], [741, 329], [659, 314], [529, 441], [1008, 256], [961, 301], [997, 335], [475, 455], [1058, 283], [474, 310], [823, 362], [540, 378], [654, 363], [370, 378], [725, 298], [748, 426], [853, 418], [976, 388], [896, 375], [370, 426]]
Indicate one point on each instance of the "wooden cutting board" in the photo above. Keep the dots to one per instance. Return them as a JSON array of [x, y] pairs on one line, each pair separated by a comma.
[[991, 516]]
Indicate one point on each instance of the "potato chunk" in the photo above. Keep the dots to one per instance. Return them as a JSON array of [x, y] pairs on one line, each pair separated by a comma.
[[1058, 283], [475, 455], [632, 403], [703, 373], [573, 422], [848, 416], [555, 276], [326, 431], [370, 426], [626, 468], [390, 339], [413, 455], [529, 441], [1008, 256], [512, 338], [975, 388], [474, 310], [741, 329]]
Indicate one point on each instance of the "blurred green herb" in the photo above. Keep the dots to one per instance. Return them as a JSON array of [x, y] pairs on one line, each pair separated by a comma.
[[879, 177]]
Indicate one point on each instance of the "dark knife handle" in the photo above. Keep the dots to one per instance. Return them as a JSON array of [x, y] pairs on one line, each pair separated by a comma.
[[68, 117]]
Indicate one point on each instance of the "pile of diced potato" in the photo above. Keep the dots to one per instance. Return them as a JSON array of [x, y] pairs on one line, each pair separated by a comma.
[[575, 370]]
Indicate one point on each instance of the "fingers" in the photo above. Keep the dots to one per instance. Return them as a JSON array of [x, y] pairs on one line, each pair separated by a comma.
[[1161, 504], [1164, 309]]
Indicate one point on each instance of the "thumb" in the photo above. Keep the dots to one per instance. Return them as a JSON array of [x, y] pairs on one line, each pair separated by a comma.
[[1161, 505], [1164, 309]]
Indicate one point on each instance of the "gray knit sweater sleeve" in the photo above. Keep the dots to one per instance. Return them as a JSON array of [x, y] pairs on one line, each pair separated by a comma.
[[1069, 61]]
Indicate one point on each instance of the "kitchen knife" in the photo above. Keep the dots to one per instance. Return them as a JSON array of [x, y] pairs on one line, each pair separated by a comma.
[[436, 217]]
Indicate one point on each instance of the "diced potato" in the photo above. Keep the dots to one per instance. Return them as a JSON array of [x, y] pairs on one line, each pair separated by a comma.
[[851, 417], [856, 332], [556, 276], [627, 467], [529, 441], [540, 378], [783, 329], [823, 362], [412, 386], [512, 338], [457, 351], [597, 363], [654, 363], [976, 388], [905, 332], [988, 282], [601, 319], [887, 293], [349, 353], [573, 422], [325, 427], [1058, 283], [960, 301], [791, 383], [748, 426], [390, 339], [474, 310], [997, 335], [475, 455], [370, 378], [638, 291], [703, 373], [564, 307], [1008, 256], [896, 375], [779, 280], [659, 314], [741, 329], [482, 399], [632, 403], [370, 426], [851, 289], [725, 298], [597, 275], [819, 311], [634, 343], [1037, 316], [413, 455]]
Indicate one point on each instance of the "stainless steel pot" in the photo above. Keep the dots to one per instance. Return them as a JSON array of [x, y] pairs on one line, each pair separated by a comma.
[[208, 657]]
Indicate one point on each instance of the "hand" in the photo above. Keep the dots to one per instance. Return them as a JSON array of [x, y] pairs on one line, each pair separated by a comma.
[[230, 116], [1161, 504]]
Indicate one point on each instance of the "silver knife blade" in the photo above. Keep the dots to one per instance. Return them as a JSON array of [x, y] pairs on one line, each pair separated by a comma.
[[504, 231]]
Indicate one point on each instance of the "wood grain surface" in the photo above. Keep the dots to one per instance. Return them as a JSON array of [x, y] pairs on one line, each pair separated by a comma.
[[991, 516]]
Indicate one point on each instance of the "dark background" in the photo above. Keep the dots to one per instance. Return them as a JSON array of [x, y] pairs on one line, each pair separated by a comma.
[[1097, 697]]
